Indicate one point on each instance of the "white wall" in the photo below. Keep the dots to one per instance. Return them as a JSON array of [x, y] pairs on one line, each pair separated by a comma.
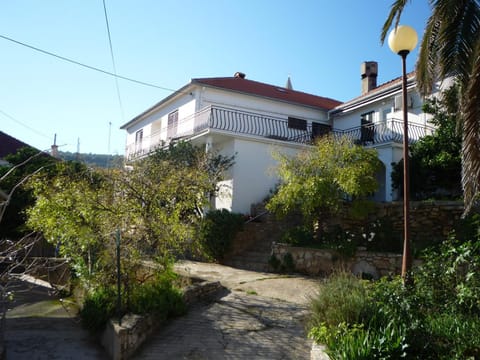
[[253, 175], [352, 118], [155, 125], [261, 105]]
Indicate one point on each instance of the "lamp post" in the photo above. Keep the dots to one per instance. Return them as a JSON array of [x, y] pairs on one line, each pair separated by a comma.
[[401, 41]]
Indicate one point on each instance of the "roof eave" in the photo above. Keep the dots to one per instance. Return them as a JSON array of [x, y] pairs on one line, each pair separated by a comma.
[[374, 95]]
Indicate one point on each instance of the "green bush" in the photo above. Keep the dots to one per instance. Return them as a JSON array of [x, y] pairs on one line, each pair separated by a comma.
[[437, 318], [355, 342], [454, 336], [158, 297], [274, 263], [98, 308], [341, 299], [297, 236], [217, 232]]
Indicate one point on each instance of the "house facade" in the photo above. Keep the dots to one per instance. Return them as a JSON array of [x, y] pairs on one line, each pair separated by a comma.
[[251, 120], [375, 120], [234, 116]]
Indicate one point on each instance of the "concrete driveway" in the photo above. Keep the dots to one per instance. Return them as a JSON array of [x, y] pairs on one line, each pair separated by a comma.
[[40, 327], [259, 316]]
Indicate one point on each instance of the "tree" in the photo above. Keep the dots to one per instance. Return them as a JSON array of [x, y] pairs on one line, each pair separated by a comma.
[[451, 47], [157, 204], [70, 212], [23, 164], [316, 180], [17, 258], [435, 160]]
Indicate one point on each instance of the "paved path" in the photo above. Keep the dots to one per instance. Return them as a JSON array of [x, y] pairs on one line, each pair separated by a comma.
[[259, 316], [38, 327], [252, 320]]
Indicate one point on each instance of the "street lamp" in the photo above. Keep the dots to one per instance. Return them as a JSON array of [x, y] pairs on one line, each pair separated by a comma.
[[401, 41]]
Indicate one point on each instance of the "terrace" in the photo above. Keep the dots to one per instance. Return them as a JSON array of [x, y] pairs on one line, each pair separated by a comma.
[[221, 120]]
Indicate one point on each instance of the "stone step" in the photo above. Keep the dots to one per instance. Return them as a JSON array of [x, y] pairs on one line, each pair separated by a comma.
[[253, 256], [249, 265]]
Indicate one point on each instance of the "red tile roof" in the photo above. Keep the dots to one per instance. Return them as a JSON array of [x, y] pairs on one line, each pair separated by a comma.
[[9, 145], [269, 91], [380, 88]]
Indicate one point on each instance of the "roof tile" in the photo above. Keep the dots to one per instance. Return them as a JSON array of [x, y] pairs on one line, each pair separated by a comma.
[[269, 91]]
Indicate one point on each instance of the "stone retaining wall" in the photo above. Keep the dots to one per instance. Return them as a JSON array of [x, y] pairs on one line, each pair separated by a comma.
[[321, 262], [429, 220], [121, 341]]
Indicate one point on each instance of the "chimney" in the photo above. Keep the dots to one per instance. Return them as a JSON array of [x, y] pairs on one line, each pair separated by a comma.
[[239, 75], [369, 71], [288, 85]]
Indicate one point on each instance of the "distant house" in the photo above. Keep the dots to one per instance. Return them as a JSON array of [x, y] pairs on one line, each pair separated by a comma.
[[9, 145], [234, 115]]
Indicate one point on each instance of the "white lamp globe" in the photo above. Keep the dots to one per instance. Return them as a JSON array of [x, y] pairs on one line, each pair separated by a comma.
[[403, 38]]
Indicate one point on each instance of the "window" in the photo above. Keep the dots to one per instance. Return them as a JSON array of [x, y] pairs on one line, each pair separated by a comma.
[[172, 124], [385, 113], [299, 124], [138, 140], [367, 130], [319, 129]]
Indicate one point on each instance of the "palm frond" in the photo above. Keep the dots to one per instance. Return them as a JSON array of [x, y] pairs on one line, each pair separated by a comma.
[[459, 23], [471, 135], [395, 14], [427, 61]]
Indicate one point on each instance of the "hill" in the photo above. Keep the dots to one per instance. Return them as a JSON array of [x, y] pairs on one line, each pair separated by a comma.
[[97, 160]]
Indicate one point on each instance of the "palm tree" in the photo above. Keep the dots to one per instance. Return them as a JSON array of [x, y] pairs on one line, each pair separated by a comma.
[[451, 47]]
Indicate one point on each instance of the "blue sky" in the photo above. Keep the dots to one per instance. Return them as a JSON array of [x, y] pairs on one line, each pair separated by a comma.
[[319, 44]]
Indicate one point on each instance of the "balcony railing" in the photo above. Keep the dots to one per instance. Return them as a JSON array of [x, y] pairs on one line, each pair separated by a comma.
[[233, 121], [384, 132]]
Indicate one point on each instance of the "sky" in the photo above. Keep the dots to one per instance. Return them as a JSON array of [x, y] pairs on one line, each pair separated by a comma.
[[320, 44]]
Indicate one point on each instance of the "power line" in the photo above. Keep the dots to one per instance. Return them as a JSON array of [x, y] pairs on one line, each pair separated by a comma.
[[85, 65], [113, 60], [24, 125]]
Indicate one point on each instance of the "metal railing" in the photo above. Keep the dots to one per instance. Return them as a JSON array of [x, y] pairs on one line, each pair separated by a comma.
[[224, 120], [384, 132], [248, 123]]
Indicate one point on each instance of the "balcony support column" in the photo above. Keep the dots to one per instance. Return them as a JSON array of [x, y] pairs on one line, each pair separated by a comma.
[[208, 144]]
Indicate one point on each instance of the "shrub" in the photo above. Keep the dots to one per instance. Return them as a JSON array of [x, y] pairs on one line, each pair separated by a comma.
[[158, 297], [274, 263], [217, 232], [341, 299], [356, 342], [288, 265], [437, 318], [454, 336], [298, 236], [449, 279], [98, 308]]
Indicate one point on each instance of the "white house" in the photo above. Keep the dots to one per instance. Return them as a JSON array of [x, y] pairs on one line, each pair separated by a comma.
[[234, 115], [375, 119]]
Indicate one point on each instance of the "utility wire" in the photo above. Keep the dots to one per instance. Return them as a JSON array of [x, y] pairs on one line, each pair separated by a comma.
[[23, 124], [85, 65], [113, 61]]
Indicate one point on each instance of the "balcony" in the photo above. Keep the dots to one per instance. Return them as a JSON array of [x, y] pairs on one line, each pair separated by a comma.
[[224, 121], [385, 132], [230, 121]]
